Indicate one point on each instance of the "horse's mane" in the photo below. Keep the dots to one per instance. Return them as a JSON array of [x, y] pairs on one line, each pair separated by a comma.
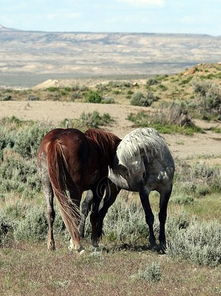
[[106, 142]]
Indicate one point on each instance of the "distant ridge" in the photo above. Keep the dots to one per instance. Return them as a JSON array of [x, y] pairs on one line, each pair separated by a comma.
[[30, 57], [3, 28]]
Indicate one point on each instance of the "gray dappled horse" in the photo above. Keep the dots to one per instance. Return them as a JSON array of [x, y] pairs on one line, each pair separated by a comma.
[[143, 163]]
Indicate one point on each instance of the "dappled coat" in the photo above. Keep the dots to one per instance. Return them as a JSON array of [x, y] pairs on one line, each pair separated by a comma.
[[142, 159]]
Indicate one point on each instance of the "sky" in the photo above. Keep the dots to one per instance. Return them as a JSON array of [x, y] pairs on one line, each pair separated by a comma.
[[140, 16]]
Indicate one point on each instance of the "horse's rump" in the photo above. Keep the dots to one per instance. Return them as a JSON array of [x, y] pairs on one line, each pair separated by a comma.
[[141, 153]]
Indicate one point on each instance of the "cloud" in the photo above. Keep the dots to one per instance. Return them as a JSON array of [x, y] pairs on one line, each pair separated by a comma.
[[144, 2]]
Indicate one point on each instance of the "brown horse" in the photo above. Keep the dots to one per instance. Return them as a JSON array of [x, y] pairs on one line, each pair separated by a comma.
[[71, 162]]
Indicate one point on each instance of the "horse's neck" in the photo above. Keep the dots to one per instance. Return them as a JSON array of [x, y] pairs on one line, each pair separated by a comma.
[[105, 144]]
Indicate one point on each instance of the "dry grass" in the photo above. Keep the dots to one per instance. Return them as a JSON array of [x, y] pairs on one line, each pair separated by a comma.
[[30, 270]]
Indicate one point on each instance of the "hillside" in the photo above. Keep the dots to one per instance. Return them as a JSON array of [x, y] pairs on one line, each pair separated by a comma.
[[165, 87], [29, 57], [56, 100]]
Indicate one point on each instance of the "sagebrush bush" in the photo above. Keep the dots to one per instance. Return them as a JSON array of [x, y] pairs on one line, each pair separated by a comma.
[[19, 141], [167, 117], [33, 227], [124, 224], [95, 119], [198, 179], [6, 98], [7, 139], [198, 242], [139, 99], [208, 99], [150, 274], [182, 199], [152, 81], [93, 96], [6, 228], [143, 119], [19, 175], [29, 138]]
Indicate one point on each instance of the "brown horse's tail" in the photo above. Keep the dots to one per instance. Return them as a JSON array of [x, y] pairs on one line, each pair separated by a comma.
[[60, 179]]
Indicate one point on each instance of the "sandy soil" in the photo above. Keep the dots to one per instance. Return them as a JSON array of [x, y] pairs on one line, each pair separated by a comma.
[[205, 146]]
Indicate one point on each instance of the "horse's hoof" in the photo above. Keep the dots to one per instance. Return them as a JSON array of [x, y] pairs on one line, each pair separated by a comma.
[[81, 251], [51, 247], [162, 249], [94, 243]]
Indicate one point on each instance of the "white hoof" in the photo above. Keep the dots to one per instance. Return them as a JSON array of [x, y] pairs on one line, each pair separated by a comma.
[[80, 250]]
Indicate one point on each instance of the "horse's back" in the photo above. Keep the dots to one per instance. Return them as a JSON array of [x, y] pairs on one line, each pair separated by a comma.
[[66, 137], [142, 157]]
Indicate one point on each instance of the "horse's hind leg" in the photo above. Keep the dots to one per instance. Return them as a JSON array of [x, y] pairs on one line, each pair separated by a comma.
[[75, 198], [85, 209], [144, 197], [164, 198], [49, 195]]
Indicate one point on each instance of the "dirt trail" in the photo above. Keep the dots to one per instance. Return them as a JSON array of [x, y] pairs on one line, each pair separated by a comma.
[[206, 146]]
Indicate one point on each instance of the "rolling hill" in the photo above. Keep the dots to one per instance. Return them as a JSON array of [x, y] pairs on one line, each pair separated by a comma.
[[29, 57]]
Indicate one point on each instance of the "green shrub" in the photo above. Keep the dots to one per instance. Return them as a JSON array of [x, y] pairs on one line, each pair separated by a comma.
[[52, 89], [95, 119], [106, 100], [163, 87], [199, 242], [152, 81], [19, 175], [142, 119], [208, 100], [6, 228], [125, 223], [28, 139], [33, 98], [150, 274], [93, 97], [6, 98], [186, 80], [197, 179], [7, 139], [172, 118], [183, 199], [33, 227], [139, 99]]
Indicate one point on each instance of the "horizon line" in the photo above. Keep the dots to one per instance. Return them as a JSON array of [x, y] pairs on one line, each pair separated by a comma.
[[8, 29]]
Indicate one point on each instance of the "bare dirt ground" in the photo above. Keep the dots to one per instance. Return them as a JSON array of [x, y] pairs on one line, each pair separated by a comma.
[[206, 146]]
